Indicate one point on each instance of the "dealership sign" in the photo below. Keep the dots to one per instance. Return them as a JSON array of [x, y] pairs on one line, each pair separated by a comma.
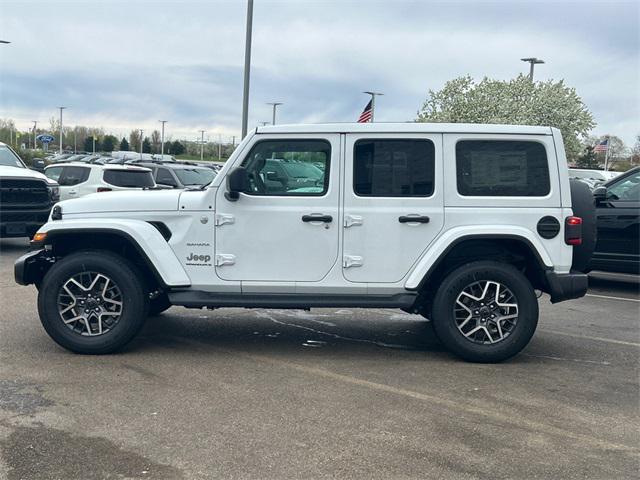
[[44, 138]]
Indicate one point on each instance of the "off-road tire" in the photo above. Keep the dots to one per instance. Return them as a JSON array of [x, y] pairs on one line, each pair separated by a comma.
[[122, 273], [583, 206], [454, 283]]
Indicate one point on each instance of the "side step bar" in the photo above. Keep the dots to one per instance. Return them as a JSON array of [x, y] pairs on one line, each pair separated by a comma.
[[200, 299]]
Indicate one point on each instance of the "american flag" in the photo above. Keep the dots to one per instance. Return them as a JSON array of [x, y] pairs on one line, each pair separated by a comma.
[[366, 114], [603, 146]]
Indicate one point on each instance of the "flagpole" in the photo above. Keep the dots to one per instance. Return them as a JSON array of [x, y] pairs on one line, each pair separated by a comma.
[[373, 102]]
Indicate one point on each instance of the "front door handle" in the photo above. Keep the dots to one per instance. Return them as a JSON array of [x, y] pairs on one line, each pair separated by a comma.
[[413, 219], [315, 217]]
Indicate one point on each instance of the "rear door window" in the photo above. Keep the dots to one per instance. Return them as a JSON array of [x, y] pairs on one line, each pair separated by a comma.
[[394, 168], [129, 178], [71, 176], [502, 168]]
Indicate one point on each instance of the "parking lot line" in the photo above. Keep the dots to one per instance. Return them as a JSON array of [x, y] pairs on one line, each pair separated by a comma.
[[467, 408], [600, 339], [609, 297]]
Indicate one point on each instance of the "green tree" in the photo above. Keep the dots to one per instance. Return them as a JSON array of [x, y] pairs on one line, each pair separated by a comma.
[[134, 140], [589, 159], [109, 142], [146, 145], [177, 148], [519, 101], [124, 145], [155, 141], [88, 144]]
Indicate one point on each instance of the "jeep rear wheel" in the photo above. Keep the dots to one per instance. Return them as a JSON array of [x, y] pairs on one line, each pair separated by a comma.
[[485, 311], [92, 302]]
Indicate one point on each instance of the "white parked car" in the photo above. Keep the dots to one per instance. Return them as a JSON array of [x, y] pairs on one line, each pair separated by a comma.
[[593, 178], [459, 223], [80, 179]]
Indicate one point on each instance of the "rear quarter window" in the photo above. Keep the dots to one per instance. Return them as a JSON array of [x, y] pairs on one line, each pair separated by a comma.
[[502, 168], [128, 178]]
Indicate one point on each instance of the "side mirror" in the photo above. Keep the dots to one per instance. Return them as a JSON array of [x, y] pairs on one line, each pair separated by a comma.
[[237, 182], [600, 194]]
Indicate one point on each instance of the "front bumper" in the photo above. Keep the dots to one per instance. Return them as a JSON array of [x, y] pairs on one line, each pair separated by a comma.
[[566, 286], [31, 267], [22, 223]]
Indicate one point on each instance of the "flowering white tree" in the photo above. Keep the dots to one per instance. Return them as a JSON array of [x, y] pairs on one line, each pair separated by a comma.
[[518, 102]]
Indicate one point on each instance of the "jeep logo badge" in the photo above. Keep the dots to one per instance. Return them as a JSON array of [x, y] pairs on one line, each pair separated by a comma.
[[198, 258]]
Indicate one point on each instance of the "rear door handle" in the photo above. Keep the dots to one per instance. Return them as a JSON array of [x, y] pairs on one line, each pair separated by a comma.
[[315, 217], [413, 219]]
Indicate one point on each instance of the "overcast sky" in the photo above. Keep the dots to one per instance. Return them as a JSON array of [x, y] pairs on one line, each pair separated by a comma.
[[127, 64]]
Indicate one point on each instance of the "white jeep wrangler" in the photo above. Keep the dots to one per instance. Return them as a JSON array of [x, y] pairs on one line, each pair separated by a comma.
[[459, 223]]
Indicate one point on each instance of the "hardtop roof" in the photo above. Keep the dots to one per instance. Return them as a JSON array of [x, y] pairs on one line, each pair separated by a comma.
[[407, 127]]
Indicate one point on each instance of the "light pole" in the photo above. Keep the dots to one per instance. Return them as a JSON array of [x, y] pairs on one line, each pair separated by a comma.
[[61, 108], [94, 144], [247, 67], [75, 138], [275, 104], [35, 125], [219, 146], [373, 102], [162, 140], [532, 61], [141, 132], [201, 145]]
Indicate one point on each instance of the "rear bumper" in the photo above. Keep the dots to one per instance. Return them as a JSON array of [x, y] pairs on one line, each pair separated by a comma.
[[565, 286]]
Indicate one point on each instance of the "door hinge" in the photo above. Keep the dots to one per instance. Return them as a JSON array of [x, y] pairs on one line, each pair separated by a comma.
[[352, 261], [352, 220], [225, 259], [222, 218]]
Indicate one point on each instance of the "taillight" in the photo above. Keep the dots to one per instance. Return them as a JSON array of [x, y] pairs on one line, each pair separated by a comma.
[[573, 231], [104, 189]]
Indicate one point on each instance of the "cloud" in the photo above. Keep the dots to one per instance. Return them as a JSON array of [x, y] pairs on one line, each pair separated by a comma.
[[125, 65]]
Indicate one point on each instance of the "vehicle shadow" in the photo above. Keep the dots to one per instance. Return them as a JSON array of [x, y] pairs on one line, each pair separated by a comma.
[[289, 333]]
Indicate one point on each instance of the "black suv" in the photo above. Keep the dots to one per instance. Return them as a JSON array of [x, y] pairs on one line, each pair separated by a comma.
[[179, 174], [26, 196], [618, 221]]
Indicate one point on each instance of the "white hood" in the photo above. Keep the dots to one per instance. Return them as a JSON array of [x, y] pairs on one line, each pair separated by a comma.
[[23, 173], [123, 201]]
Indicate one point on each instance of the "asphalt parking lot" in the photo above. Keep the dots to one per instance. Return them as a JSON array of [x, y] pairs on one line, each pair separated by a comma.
[[321, 394]]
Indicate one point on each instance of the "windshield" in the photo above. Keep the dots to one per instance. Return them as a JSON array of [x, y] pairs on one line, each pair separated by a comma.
[[195, 176], [129, 178], [8, 158]]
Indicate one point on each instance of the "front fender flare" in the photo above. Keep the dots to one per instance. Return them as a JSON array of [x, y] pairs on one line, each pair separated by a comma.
[[147, 240]]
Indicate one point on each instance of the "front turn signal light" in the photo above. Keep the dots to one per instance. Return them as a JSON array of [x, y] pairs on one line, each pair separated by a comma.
[[39, 237]]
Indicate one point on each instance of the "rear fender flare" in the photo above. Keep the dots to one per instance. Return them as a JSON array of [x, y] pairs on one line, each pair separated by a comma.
[[450, 238]]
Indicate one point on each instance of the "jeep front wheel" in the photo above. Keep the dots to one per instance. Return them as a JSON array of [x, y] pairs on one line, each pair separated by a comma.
[[485, 311], [92, 302]]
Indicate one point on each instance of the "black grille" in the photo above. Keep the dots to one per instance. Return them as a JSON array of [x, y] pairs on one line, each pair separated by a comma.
[[18, 193]]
